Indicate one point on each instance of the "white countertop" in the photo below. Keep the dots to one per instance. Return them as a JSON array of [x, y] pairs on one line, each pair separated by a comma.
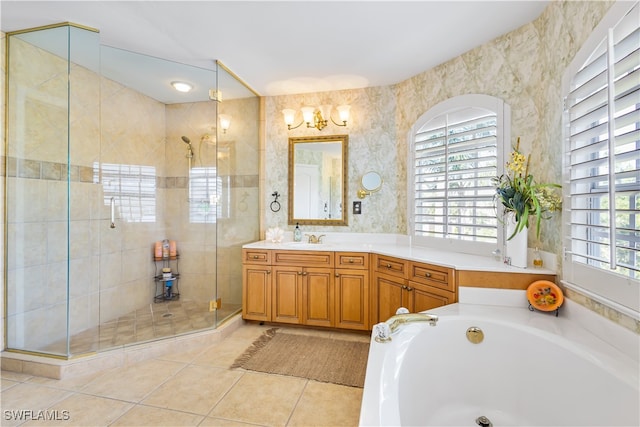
[[399, 247]]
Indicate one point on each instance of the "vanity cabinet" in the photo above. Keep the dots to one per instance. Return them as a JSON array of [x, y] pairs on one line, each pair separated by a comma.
[[352, 290], [432, 286], [256, 285], [302, 295], [316, 288], [302, 287], [389, 294], [317, 297], [286, 295], [414, 285]]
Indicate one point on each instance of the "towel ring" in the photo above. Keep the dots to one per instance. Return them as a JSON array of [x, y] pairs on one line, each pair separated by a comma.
[[275, 205]]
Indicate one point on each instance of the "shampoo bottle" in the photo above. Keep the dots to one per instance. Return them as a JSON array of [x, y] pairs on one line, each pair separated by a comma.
[[157, 250], [297, 234]]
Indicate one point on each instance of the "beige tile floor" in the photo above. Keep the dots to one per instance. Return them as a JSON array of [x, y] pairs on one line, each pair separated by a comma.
[[194, 388]]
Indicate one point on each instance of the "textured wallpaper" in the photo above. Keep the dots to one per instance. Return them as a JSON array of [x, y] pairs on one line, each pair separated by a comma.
[[523, 67]]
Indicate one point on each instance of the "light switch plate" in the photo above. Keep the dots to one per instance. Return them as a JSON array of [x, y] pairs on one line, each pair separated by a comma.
[[357, 208]]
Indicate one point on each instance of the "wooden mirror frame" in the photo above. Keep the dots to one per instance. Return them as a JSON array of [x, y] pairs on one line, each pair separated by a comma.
[[344, 140]]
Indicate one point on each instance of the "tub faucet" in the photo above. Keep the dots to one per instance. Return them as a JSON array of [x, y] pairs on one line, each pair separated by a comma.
[[385, 329], [315, 239]]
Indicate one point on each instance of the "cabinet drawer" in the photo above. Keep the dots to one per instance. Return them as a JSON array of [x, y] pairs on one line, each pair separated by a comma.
[[358, 260], [430, 297], [432, 275], [390, 265], [256, 256], [303, 258]]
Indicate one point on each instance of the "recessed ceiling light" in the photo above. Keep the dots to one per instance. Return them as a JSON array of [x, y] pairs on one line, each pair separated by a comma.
[[181, 86]]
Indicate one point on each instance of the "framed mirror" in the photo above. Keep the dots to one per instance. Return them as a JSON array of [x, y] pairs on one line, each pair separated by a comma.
[[318, 180]]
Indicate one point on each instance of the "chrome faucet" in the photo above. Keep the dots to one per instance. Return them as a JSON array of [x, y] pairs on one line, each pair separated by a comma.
[[315, 239], [385, 329]]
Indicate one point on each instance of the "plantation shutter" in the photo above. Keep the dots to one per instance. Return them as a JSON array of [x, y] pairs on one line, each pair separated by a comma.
[[455, 159], [604, 156]]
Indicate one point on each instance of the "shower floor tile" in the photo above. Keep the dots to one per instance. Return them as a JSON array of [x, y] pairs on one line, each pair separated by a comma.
[[156, 320]]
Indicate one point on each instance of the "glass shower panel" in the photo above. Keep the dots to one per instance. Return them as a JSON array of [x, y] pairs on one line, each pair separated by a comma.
[[238, 166], [50, 102]]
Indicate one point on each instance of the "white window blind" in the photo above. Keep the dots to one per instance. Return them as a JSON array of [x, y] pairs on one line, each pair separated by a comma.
[[455, 158], [604, 153], [205, 193]]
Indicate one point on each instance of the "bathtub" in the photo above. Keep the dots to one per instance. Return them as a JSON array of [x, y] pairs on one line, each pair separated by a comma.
[[531, 369]]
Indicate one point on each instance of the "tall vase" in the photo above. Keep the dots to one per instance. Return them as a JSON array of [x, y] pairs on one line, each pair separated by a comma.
[[517, 247]]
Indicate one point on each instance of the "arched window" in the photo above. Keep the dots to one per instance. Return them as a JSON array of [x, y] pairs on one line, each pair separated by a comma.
[[457, 147]]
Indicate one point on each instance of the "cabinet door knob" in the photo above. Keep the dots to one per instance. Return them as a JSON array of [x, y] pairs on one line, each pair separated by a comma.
[[337, 275], [409, 288], [268, 271], [304, 273], [427, 274], [350, 260], [404, 286], [388, 265], [255, 257], [299, 273]]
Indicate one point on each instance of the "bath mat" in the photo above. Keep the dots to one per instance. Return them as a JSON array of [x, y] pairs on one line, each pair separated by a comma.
[[315, 358]]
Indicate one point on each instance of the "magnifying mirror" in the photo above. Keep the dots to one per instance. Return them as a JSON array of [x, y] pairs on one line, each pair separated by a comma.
[[370, 183]]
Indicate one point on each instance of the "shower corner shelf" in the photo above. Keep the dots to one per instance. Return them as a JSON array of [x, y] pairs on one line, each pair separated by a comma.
[[163, 292]]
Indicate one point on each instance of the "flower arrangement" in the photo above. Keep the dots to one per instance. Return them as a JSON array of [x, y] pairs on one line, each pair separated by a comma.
[[522, 196]]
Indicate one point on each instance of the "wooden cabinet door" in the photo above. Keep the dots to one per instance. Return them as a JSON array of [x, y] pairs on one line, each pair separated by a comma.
[[256, 292], [391, 295], [286, 295], [317, 296], [424, 298], [352, 299]]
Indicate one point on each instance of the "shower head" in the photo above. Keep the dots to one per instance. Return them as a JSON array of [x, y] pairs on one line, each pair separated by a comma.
[[186, 140]]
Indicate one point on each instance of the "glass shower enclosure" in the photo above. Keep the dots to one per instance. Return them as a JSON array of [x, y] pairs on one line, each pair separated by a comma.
[[104, 158]]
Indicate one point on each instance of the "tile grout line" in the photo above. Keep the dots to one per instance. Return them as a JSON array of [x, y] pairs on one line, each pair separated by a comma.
[[227, 392], [297, 402]]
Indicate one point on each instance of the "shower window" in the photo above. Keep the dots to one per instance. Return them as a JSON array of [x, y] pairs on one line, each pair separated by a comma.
[[133, 188], [205, 195]]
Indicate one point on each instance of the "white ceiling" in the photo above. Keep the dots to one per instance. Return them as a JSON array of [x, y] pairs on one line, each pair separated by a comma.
[[290, 47]]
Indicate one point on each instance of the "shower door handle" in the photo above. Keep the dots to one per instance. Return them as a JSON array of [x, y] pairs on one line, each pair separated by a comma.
[[113, 212]]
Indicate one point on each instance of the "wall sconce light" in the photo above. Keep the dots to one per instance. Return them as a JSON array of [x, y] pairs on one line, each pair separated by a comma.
[[225, 122], [316, 118]]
